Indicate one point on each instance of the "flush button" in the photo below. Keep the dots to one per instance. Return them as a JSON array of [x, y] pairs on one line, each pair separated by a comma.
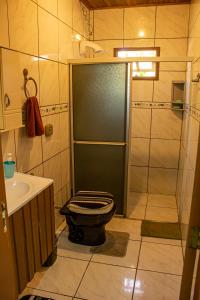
[[48, 130]]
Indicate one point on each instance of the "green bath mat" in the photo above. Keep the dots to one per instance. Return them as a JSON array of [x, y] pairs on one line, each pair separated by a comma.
[[162, 230]]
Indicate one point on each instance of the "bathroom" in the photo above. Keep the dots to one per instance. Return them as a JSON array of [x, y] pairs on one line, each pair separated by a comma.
[[45, 37]]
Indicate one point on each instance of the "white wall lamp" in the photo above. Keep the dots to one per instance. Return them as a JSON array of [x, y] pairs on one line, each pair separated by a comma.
[[88, 44]]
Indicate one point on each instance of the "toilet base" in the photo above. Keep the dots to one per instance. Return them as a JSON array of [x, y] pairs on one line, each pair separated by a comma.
[[86, 235]]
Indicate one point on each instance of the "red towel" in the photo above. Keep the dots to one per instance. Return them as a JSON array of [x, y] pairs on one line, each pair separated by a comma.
[[33, 118]]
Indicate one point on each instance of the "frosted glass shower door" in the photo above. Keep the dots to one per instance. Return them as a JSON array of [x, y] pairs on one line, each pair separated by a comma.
[[100, 107]]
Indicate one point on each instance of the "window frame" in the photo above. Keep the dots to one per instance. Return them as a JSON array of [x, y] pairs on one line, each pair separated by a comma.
[[157, 49]]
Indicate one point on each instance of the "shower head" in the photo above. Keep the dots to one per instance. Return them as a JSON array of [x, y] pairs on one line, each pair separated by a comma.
[[94, 46]]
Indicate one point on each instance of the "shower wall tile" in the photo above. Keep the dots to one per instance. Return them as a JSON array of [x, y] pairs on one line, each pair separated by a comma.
[[23, 29], [139, 19], [64, 83], [78, 19], [48, 35], [108, 24], [138, 179], [4, 37], [172, 22], [164, 153], [64, 130], [51, 144], [49, 85], [162, 181], [65, 11], [139, 43], [142, 90], [163, 87], [65, 163], [139, 154], [65, 43], [141, 123], [49, 5], [28, 151], [166, 124]]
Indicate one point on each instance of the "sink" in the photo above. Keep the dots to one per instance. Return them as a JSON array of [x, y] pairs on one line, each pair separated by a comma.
[[16, 188]]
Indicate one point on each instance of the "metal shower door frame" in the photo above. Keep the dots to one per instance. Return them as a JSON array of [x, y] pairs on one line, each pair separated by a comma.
[[127, 132]]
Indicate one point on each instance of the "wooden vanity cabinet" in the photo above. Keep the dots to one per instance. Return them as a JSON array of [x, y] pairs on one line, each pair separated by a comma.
[[33, 235]]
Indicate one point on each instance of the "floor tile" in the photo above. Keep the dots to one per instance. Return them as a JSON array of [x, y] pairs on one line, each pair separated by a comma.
[[162, 214], [63, 277], [133, 227], [161, 258], [162, 200], [69, 249], [137, 198], [161, 241], [130, 260], [29, 291], [135, 211], [105, 282], [156, 286]]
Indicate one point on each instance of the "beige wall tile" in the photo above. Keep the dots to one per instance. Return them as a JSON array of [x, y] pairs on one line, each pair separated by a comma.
[[23, 29], [166, 124], [164, 153], [162, 200], [51, 144], [65, 163], [48, 35], [8, 144], [64, 83], [28, 151], [161, 214], [49, 85], [108, 24], [52, 169], [108, 47], [4, 37], [65, 11], [65, 43], [138, 182], [139, 43], [64, 130], [14, 63], [141, 121], [162, 181], [139, 155], [50, 5], [142, 90], [137, 20], [78, 20], [163, 86], [38, 171], [172, 22]]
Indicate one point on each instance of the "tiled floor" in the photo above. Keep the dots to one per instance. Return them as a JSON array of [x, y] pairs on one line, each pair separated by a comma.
[[151, 270], [152, 207]]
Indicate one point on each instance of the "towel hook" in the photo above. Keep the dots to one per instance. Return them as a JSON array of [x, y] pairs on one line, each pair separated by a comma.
[[26, 79], [197, 79]]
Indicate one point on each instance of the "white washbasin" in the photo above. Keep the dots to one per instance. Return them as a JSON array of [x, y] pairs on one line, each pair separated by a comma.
[[17, 189], [22, 188]]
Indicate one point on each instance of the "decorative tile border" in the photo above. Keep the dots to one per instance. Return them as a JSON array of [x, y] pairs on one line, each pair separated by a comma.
[[141, 104], [194, 112], [53, 109]]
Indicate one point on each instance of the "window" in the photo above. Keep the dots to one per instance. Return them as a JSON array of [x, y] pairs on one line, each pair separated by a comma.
[[141, 70]]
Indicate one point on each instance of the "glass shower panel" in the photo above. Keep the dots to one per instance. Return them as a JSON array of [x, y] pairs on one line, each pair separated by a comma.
[[99, 102], [100, 168]]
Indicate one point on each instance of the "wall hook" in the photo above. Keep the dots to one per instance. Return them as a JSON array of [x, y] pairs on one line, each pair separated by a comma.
[[197, 79]]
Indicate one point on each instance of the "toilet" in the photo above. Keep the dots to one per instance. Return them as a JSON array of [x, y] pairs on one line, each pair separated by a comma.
[[86, 214]]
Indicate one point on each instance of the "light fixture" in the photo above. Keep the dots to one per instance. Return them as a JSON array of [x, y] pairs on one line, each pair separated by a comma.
[[94, 46]]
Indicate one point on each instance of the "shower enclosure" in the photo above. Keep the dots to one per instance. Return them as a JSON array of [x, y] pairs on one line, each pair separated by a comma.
[[100, 128]]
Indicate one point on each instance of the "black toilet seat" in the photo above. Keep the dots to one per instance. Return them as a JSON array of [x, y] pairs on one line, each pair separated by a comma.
[[90, 205]]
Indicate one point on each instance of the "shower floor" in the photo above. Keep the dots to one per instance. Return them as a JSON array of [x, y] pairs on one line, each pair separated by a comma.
[[143, 206]]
